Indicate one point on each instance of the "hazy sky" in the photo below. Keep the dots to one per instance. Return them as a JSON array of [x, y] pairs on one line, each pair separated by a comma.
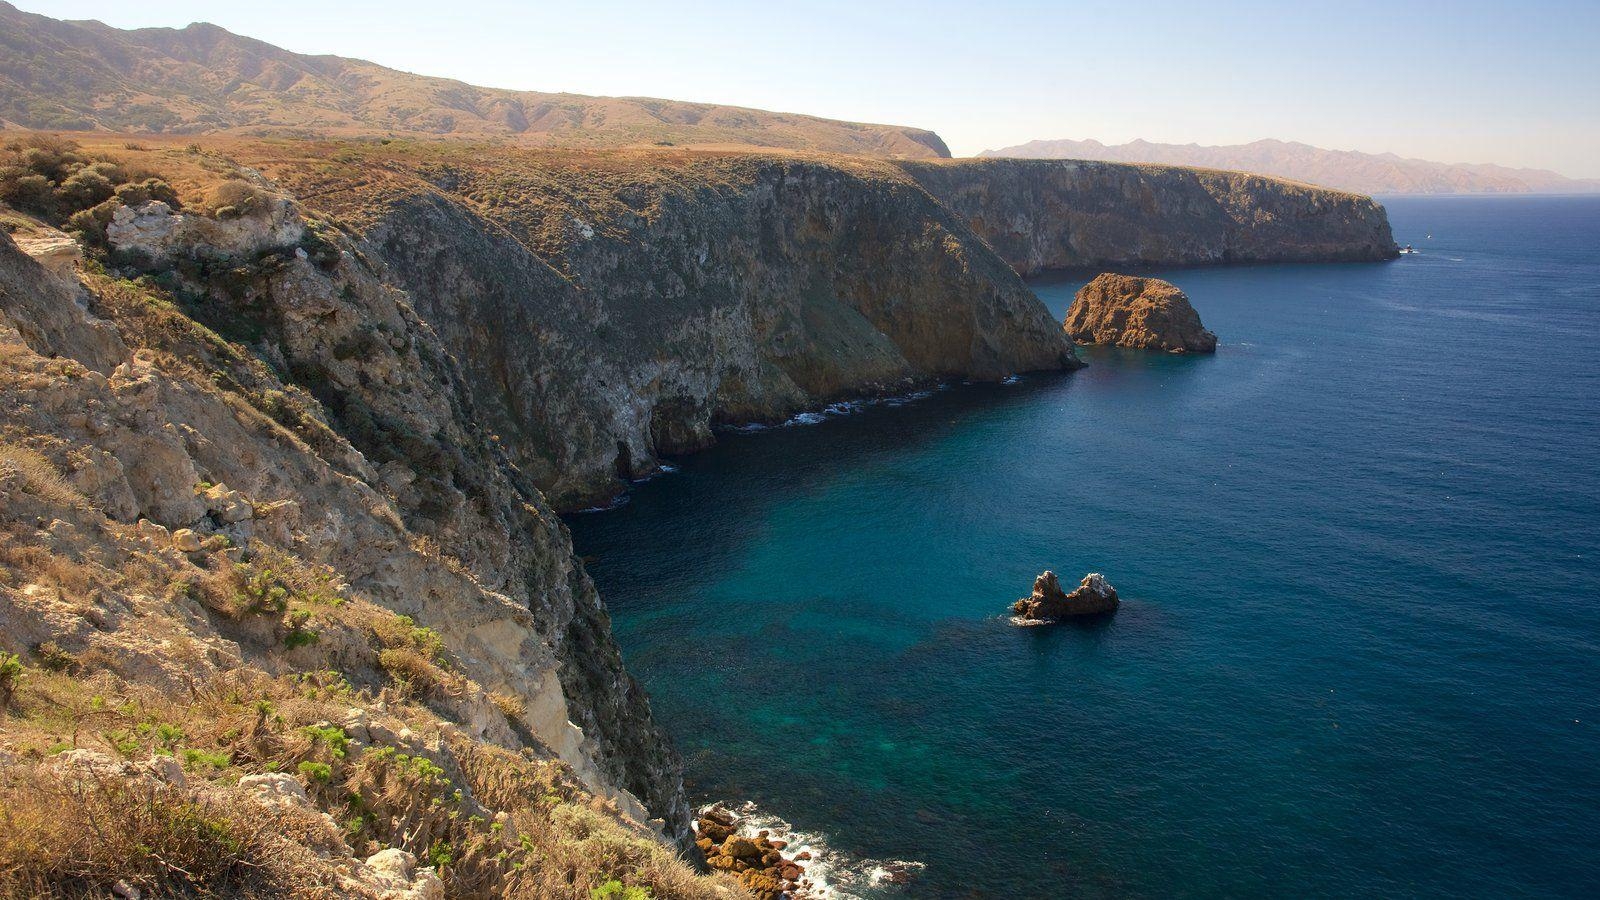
[[1517, 84]]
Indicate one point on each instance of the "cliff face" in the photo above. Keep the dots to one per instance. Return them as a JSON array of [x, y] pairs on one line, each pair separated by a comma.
[[344, 440], [1047, 214], [255, 645], [629, 317]]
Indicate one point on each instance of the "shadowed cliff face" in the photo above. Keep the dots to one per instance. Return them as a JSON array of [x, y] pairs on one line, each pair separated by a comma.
[[726, 290], [1047, 214]]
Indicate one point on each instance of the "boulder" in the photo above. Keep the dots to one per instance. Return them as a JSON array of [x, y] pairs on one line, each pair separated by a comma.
[[740, 847], [186, 540], [1141, 313], [275, 788], [1094, 595], [53, 250], [228, 505]]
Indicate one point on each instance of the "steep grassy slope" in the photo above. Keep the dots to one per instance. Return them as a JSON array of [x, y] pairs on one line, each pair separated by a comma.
[[200, 79]]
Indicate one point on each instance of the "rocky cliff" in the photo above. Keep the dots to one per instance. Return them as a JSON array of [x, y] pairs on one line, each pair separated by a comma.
[[1063, 214], [256, 401], [342, 442], [628, 317]]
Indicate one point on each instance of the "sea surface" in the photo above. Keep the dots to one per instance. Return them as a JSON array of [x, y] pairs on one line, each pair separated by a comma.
[[1359, 553]]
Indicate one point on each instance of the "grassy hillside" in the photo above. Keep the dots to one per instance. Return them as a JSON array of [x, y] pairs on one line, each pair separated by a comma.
[[81, 76]]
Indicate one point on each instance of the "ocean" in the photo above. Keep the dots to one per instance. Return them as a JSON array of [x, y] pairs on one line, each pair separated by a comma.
[[1359, 554]]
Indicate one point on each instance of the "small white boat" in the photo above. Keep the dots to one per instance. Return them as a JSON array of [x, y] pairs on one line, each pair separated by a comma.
[[1409, 249]]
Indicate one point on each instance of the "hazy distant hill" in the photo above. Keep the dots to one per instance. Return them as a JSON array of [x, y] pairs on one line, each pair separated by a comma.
[[90, 76], [1367, 173]]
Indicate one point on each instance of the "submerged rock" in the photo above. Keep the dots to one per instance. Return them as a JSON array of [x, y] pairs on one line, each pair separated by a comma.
[[1093, 595], [1142, 313]]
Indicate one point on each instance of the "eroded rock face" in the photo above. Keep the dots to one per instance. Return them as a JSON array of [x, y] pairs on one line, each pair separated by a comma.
[[1141, 313], [1062, 214], [680, 296], [1093, 596]]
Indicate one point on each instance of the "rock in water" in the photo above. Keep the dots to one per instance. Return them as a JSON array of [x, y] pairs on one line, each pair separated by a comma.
[[1094, 595], [1142, 313]]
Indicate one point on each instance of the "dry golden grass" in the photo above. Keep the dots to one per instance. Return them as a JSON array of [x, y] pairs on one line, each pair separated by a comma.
[[38, 475], [495, 822], [76, 835]]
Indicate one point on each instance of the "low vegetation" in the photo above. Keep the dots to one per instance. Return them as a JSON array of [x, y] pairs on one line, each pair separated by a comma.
[[54, 179], [493, 823]]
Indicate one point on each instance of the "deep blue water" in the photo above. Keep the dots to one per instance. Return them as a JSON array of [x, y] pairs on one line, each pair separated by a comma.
[[1359, 649]]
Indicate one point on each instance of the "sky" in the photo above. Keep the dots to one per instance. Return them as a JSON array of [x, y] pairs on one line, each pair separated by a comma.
[[1515, 84]]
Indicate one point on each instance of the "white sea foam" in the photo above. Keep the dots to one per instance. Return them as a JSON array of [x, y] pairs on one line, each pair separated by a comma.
[[1011, 379], [661, 469], [830, 874], [620, 500], [842, 408]]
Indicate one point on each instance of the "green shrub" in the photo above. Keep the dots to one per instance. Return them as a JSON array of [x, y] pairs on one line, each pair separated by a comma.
[[316, 771], [616, 890], [10, 676]]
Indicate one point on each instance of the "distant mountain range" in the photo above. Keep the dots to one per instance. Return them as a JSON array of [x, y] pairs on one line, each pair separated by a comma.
[[1366, 173], [80, 76]]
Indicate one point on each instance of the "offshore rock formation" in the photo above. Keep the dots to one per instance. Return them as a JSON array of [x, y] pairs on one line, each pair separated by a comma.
[[1141, 313], [1093, 596], [1061, 214]]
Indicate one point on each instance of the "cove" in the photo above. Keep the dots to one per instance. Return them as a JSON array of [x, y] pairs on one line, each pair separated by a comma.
[[1358, 642]]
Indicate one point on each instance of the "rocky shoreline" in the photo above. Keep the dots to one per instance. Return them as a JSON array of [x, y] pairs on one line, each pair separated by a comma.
[[775, 862]]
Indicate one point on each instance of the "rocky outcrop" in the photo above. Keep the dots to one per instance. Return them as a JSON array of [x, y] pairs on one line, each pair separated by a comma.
[[1093, 596], [1061, 214], [1141, 313]]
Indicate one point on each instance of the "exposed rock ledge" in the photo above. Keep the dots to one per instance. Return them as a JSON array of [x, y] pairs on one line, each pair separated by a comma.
[[1141, 313], [1093, 596]]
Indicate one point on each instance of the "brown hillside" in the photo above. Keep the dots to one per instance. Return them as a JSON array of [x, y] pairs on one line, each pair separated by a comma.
[[88, 76]]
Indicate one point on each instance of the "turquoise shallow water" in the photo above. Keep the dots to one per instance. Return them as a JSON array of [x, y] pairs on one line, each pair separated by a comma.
[[1359, 650]]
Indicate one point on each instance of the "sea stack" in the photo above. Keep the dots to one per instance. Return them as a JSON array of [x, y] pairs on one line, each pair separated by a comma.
[[1140, 313], [1094, 595]]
